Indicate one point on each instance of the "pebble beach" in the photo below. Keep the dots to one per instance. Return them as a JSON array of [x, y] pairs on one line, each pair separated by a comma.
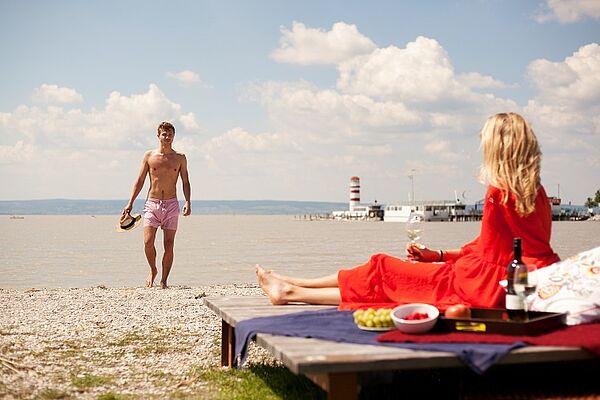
[[86, 342]]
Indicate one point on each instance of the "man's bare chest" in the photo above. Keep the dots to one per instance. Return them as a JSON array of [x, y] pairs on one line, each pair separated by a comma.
[[164, 164]]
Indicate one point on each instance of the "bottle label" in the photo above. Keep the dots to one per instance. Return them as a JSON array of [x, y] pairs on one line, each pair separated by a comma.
[[513, 302]]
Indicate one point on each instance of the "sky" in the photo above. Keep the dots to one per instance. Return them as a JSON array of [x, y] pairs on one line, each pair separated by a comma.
[[286, 100]]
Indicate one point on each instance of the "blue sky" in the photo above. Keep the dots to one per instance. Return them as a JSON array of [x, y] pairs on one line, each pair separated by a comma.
[[287, 100]]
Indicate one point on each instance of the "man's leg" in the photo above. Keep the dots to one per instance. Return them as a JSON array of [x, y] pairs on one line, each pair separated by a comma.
[[167, 261], [150, 250]]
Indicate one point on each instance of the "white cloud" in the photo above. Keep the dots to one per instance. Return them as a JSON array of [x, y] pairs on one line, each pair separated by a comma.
[[566, 107], [240, 139], [442, 149], [565, 115], [419, 72], [93, 154], [305, 46], [186, 77], [245, 159], [476, 80], [420, 75], [126, 121], [189, 121], [392, 109], [568, 11], [390, 92], [574, 81], [21, 151], [53, 94], [330, 116], [372, 149]]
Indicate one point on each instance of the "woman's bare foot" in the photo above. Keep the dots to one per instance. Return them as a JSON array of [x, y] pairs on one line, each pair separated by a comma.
[[281, 277], [275, 275], [163, 285], [275, 289], [150, 278]]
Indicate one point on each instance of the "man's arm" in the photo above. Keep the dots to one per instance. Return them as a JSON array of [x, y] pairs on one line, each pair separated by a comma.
[[187, 189], [139, 183]]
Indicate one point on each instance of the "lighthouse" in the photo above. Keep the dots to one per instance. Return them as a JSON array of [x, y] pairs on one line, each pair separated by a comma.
[[354, 192]]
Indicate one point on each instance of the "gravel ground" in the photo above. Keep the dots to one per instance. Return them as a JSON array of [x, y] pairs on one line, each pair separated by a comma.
[[83, 343]]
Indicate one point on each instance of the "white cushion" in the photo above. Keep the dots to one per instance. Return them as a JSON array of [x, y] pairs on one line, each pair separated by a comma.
[[572, 286]]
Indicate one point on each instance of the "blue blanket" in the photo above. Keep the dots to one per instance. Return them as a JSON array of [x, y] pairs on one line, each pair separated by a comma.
[[338, 326]]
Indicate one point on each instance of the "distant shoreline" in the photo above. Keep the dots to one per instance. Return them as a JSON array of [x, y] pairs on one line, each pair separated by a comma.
[[199, 207]]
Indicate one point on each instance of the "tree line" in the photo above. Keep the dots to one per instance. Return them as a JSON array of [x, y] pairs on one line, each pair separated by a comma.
[[593, 201]]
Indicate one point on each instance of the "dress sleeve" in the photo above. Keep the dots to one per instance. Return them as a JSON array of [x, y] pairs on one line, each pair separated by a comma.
[[495, 239]]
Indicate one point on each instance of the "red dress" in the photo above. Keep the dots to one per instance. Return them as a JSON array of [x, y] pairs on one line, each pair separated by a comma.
[[471, 279]]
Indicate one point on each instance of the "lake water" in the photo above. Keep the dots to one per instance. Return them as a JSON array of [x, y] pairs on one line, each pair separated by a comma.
[[83, 251]]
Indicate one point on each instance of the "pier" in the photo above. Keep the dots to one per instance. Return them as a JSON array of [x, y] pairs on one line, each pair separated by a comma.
[[467, 217]]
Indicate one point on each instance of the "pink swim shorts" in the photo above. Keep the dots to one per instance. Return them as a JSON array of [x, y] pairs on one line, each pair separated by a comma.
[[161, 213]]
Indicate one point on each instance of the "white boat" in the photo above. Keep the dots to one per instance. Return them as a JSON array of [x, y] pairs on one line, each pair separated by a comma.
[[555, 205], [439, 210]]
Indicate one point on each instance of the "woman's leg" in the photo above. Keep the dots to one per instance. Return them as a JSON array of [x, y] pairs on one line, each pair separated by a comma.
[[282, 292], [329, 281]]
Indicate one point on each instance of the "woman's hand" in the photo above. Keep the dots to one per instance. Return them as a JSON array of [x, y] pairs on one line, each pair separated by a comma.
[[418, 252]]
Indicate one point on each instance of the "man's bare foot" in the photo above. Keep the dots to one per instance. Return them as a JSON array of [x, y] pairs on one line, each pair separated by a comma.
[[150, 278], [275, 289], [163, 285]]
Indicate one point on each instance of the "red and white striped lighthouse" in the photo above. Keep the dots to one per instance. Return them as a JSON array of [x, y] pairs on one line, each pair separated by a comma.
[[354, 192]]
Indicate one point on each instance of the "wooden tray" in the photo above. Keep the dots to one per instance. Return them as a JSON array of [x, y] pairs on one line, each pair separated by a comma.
[[492, 320]]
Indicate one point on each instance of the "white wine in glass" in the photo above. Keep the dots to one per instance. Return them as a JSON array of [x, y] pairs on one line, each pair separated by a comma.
[[414, 227], [525, 283]]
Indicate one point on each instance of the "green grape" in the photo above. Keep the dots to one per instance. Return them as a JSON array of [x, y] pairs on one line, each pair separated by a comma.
[[380, 318]]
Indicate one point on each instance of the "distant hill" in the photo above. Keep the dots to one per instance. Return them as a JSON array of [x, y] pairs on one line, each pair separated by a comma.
[[114, 207]]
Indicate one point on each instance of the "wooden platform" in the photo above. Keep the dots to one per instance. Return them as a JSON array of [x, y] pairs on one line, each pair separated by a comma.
[[337, 367]]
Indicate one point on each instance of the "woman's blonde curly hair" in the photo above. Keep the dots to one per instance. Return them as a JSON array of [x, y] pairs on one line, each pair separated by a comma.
[[511, 159]]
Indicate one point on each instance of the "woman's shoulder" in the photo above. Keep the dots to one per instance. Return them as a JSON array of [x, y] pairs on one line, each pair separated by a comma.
[[494, 194], [541, 191]]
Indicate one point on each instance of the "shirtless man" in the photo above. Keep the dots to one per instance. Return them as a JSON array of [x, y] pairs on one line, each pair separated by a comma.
[[164, 165]]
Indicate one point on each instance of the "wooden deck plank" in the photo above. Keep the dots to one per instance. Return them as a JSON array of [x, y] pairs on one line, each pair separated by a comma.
[[322, 358]]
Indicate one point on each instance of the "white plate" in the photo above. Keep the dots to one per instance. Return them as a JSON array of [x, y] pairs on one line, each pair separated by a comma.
[[376, 329]]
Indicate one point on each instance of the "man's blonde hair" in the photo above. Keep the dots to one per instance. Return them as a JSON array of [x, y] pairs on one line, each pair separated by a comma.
[[511, 159]]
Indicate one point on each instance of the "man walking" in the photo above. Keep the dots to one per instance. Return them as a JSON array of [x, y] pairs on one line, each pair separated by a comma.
[[164, 165]]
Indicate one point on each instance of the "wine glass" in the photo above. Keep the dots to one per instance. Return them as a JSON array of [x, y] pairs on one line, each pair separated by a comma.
[[525, 283], [414, 226]]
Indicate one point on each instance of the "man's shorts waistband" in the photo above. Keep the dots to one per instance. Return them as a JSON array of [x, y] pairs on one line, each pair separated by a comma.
[[174, 199]]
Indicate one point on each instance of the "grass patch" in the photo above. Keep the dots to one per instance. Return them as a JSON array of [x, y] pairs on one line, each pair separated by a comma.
[[113, 396], [152, 348], [216, 346], [89, 381], [162, 377], [53, 394], [259, 381], [128, 339], [70, 353]]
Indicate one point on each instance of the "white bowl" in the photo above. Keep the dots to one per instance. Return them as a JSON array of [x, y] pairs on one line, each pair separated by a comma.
[[415, 326]]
